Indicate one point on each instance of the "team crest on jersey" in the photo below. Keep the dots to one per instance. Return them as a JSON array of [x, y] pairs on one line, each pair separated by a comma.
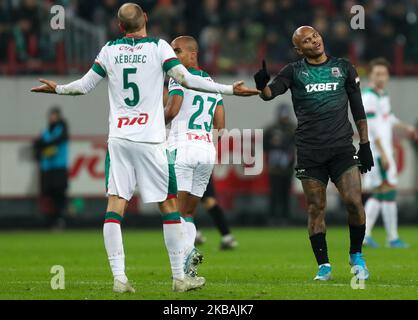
[[335, 71]]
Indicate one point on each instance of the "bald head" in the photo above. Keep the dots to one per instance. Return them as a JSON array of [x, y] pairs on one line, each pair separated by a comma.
[[300, 33], [186, 49], [308, 43], [187, 43], [131, 17]]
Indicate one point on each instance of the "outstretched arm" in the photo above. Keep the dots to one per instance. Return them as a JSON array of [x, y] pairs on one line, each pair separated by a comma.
[[190, 81], [79, 87]]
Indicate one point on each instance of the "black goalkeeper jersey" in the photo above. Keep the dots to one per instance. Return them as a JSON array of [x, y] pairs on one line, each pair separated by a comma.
[[320, 100]]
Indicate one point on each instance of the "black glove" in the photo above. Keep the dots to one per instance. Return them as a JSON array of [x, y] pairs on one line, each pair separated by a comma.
[[261, 78], [365, 157]]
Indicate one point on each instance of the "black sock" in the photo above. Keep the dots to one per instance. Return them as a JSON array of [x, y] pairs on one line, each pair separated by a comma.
[[218, 217], [319, 247], [356, 237]]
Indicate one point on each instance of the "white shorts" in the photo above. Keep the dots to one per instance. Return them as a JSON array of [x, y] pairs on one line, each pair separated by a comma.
[[130, 164], [194, 166], [377, 175]]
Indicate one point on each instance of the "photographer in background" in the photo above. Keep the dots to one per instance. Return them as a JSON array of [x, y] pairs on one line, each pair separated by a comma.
[[51, 150]]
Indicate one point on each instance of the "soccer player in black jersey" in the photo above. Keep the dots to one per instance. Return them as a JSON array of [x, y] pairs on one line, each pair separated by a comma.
[[321, 88]]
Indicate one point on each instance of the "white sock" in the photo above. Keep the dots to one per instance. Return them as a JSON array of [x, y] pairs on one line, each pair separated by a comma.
[[191, 236], [372, 208], [390, 219], [114, 247], [174, 238]]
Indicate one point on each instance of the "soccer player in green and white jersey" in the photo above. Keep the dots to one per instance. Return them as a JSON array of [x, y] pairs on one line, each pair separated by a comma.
[[192, 115], [136, 66], [382, 179]]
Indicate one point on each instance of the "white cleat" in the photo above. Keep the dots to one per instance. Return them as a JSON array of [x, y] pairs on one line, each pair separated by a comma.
[[120, 287], [188, 283]]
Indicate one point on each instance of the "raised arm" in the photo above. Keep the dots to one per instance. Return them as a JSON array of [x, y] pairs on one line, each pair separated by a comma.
[[278, 86]]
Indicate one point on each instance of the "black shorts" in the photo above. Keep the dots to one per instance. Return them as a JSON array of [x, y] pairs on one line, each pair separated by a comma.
[[322, 164], [210, 190]]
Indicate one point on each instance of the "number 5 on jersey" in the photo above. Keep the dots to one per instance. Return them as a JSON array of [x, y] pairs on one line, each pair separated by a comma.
[[130, 85]]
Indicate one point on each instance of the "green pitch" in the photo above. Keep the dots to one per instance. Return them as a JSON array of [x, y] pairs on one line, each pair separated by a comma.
[[269, 264]]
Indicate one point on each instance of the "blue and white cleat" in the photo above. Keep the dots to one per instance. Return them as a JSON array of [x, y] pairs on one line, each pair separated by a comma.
[[359, 266], [324, 272], [398, 243], [370, 243]]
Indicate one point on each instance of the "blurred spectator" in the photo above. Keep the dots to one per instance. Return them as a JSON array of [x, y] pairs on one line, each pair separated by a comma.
[[327, 5], [268, 15], [51, 150], [339, 41], [321, 24], [163, 17], [232, 14], [106, 16], [202, 15], [4, 29], [279, 146], [232, 49], [382, 41], [277, 47], [26, 31], [262, 26]]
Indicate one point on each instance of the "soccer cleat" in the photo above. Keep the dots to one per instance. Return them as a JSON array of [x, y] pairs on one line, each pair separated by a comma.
[[229, 245], [359, 266], [397, 243], [194, 258], [324, 272], [188, 283], [120, 287], [370, 243], [200, 239]]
